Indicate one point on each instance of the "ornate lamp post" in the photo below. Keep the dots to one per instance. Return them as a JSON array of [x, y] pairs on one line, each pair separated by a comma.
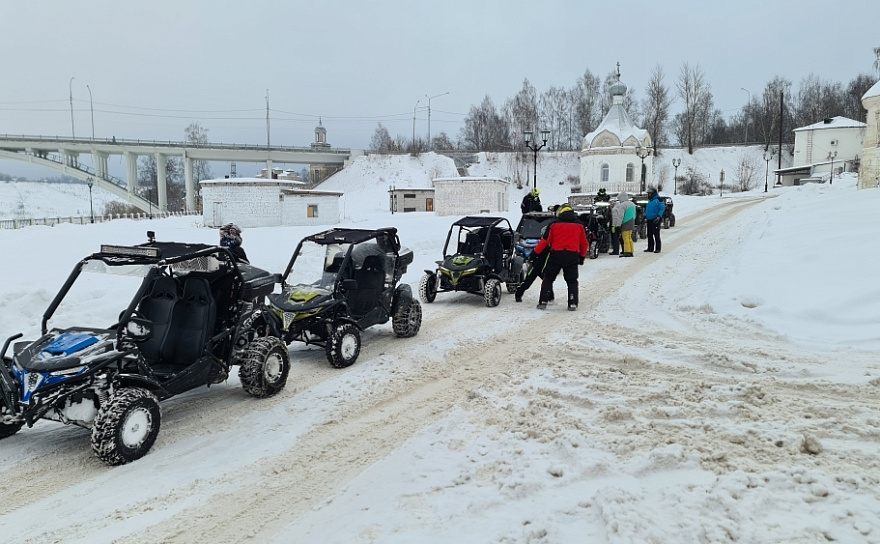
[[527, 135], [832, 155], [642, 153], [90, 182], [675, 164], [768, 156]]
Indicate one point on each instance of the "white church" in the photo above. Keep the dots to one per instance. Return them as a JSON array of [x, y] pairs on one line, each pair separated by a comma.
[[869, 172], [614, 155]]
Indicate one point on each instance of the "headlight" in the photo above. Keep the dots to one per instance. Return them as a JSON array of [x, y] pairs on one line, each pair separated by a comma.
[[67, 371]]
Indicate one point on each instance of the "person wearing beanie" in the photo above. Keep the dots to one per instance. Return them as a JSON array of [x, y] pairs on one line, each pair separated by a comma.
[[568, 245], [230, 238], [623, 220]]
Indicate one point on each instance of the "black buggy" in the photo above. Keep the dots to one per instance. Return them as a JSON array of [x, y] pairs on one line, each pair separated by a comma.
[[478, 256], [528, 233], [641, 202], [186, 322], [338, 283], [596, 219]]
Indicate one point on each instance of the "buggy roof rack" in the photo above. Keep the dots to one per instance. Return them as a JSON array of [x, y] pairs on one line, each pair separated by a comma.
[[350, 236], [479, 221], [154, 252]]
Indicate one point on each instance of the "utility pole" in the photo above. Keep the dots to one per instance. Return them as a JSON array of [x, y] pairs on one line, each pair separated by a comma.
[[72, 130], [267, 118], [779, 151]]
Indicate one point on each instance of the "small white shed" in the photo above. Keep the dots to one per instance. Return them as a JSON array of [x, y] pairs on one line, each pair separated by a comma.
[[255, 202], [470, 195]]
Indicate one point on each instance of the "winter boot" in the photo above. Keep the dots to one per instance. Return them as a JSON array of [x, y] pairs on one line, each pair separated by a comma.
[[542, 305], [517, 295]]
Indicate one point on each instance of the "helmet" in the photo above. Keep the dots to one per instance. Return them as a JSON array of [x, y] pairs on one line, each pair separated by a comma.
[[535, 192], [652, 190], [562, 209], [602, 190], [230, 235]]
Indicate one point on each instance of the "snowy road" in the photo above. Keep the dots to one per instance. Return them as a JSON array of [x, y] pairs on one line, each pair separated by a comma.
[[637, 383]]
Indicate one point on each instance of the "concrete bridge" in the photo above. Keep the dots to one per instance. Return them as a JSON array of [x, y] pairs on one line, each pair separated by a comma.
[[63, 154]]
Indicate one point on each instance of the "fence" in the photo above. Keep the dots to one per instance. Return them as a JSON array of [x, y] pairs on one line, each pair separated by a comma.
[[84, 220]]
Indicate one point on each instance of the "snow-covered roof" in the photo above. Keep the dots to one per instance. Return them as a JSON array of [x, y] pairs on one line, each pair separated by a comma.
[[833, 122], [873, 91], [254, 181], [617, 122], [471, 178]]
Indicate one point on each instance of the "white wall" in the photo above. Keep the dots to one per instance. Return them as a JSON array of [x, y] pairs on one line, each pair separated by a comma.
[[617, 160], [869, 170], [850, 142], [469, 196], [294, 209], [245, 204]]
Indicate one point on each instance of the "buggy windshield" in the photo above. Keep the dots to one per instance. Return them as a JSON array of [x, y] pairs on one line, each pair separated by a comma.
[[318, 264], [530, 227]]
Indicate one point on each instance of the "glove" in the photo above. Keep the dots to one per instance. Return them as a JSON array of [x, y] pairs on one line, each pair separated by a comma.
[[613, 229], [581, 261]]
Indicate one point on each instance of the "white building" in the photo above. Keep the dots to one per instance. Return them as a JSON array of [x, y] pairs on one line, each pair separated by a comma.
[[254, 202], [610, 155], [470, 195], [869, 168], [832, 143]]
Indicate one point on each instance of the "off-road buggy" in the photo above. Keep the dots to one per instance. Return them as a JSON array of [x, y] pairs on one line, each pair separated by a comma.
[[478, 256], [668, 216], [529, 231], [185, 321], [641, 202], [596, 218], [338, 283]]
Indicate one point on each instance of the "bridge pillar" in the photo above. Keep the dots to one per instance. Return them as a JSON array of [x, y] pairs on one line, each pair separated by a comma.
[[189, 185], [71, 158], [101, 164], [161, 182], [131, 171]]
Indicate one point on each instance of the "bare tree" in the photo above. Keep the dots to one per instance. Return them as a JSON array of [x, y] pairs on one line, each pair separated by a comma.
[[585, 99], [767, 114], [694, 91], [381, 141], [747, 173], [484, 129], [553, 109], [656, 108], [197, 134], [855, 90], [521, 112], [877, 60]]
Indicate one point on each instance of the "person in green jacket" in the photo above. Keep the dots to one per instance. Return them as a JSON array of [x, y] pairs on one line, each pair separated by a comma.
[[623, 220]]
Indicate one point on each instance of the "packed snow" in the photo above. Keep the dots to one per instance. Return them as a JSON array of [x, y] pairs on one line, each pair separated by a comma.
[[725, 390]]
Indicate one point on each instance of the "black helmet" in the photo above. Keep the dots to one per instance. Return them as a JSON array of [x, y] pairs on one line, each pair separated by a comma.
[[602, 190], [652, 190]]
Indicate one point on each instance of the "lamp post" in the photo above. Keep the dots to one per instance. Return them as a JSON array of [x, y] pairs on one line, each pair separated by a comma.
[[527, 136], [642, 153], [832, 155], [90, 182], [72, 131], [747, 114], [721, 183], [150, 201], [768, 156], [431, 147], [675, 164], [92, 106], [414, 122]]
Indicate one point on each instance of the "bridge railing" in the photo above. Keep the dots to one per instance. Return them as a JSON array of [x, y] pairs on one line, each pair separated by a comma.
[[85, 219], [170, 143]]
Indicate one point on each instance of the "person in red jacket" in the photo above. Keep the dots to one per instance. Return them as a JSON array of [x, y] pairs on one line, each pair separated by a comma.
[[568, 244]]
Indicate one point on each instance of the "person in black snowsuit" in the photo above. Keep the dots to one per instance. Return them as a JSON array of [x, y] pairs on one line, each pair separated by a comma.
[[602, 196], [531, 202], [230, 238]]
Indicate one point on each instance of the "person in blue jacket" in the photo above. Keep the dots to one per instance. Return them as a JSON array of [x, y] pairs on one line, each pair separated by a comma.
[[653, 217]]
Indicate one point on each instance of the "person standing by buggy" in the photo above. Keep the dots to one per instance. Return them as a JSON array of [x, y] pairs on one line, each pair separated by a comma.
[[230, 238], [654, 216], [531, 202], [623, 220], [537, 263], [568, 245], [602, 196]]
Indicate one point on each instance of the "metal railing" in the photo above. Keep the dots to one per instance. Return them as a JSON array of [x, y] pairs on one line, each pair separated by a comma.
[[170, 143], [85, 219]]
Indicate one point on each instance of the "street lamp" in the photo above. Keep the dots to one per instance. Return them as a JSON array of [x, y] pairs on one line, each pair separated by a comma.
[[768, 156], [90, 182], [832, 155], [527, 135], [431, 147], [72, 131], [642, 153], [414, 122], [92, 106], [675, 164], [747, 114]]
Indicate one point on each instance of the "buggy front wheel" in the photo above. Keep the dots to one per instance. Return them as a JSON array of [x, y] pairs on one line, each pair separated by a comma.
[[407, 320], [264, 369], [344, 345], [672, 220], [126, 426], [492, 292], [512, 285], [594, 249], [428, 288]]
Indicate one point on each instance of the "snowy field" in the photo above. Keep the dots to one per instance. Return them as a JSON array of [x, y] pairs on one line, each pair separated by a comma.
[[725, 390]]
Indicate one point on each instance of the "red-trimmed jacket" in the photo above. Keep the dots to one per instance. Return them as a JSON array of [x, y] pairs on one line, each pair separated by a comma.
[[566, 234]]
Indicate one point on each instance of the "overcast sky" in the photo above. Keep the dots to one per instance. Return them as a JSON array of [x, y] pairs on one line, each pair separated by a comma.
[[155, 66]]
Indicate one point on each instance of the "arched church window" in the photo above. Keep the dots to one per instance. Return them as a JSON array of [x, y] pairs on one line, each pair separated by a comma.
[[605, 173], [629, 171]]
